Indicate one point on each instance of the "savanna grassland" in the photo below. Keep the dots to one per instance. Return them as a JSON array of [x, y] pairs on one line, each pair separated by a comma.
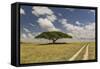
[[37, 53]]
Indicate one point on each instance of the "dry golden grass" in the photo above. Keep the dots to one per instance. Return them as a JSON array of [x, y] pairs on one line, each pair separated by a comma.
[[92, 51], [36, 53]]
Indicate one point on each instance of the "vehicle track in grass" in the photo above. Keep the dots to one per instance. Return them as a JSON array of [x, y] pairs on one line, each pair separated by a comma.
[[86, 54], [77, 54]]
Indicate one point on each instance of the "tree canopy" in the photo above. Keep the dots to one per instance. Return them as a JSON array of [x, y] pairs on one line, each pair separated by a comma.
[[53, 35]]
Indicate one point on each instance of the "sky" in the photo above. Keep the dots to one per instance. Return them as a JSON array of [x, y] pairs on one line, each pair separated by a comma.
[[80, 23]]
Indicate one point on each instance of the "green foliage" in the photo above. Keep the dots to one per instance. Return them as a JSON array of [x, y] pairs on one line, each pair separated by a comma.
[[53, 35]]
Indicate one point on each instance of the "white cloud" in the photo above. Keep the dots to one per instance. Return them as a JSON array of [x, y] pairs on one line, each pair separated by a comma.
[[36, 33], [46, 24], [22, 11], [90, 26], [70, 9], [63, 21], [93, 11], [52, 18], [78, 23], [38, 10], [23, 35], [84, 32], [26, 36], [26, 30], [32, 25], [30, 35]]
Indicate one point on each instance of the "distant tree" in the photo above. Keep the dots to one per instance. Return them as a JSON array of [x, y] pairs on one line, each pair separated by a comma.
[[53, 35]]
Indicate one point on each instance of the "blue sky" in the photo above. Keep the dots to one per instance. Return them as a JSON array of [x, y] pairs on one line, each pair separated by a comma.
[[37, 19]]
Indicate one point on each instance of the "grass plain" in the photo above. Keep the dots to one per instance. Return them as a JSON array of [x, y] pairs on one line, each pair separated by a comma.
[[37, 53]]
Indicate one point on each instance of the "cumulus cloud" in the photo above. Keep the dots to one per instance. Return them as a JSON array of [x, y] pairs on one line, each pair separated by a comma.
[[27, 34], [52, 18], [38, 10], [26, 37], [46, 24], [82, 32], [23, 35], [44, 11], [22, 11], [29, 37]]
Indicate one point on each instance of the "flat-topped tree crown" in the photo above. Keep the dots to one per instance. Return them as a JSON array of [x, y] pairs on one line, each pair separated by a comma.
[[53, 35]]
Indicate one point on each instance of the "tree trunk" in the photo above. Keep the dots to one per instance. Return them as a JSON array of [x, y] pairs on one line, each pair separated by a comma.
[[54, 41]]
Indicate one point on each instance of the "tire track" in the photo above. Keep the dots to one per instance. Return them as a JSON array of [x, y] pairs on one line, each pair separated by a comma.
[[77, 53], [85, 56]]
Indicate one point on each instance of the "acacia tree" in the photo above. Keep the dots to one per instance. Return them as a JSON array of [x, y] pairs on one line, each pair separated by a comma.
[[53, 35]]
